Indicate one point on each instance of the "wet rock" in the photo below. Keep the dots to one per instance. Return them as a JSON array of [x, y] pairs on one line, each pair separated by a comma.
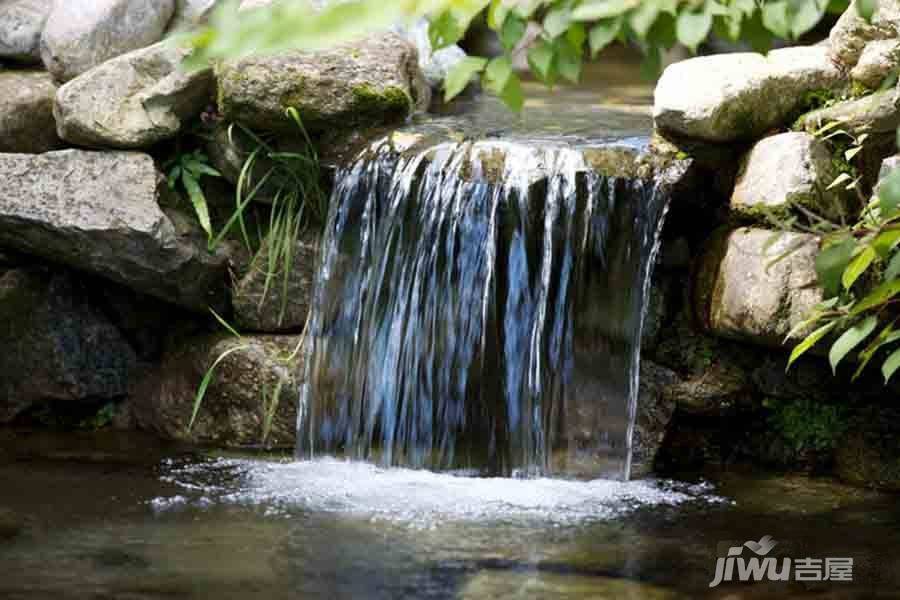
[[742, 293], [134, 100], [879, 59], [26, 112], [851, 34], [279, 304], [10, 524], [57, 343], [21, 24], [98, 211], [240, 407], [81, 34], [876, 113], [868, 455], [655, 410], [731, 97], [783, 171], [373, 81]]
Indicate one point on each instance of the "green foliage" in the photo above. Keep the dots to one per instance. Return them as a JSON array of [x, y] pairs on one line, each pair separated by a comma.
[[809, 424], [184, 172], [569, 30], [858, 268]]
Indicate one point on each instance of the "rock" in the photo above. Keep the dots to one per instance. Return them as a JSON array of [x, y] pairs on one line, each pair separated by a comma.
[[190, 14], [81, 34], [370, 82], [26, 112], [741, 96], [434, 65], [742, 293], [876, 113], [655, 410], [888, 165], [274, 309], [878, 60], [10, 524], [786, 170], [868, 454], [851, 34], [238, 404], [134, 100], [98, 211], [718, 390], [21, 24], [57, 343]]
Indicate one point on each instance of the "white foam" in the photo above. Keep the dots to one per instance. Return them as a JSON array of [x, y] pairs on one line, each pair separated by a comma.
[[422, 498]]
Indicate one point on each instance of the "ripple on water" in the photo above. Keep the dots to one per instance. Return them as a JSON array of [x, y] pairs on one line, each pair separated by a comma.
[[417, 497]]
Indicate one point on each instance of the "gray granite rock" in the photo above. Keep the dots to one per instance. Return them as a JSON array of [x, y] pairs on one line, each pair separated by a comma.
[[26, 112], [21, 24]]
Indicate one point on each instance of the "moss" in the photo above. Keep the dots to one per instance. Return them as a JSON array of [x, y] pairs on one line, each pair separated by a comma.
[[392, 100], [809, 424], [859, 90]]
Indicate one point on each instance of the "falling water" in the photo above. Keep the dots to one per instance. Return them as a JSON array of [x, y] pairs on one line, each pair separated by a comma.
[[480, 306]]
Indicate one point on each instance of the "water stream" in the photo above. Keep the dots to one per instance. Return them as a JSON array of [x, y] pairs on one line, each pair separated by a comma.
[[479, 305]]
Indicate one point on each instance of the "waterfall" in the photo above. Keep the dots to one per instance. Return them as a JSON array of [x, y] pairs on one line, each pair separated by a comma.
[[479, 306]]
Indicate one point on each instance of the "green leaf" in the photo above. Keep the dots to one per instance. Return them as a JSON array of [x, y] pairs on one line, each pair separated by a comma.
[[512, 31], [525, 8], [850, 339], [198, 200], [877, 297], [890, 366], [641, 19], [568, 61], [805, 14], [857, 267], [174, 174], [831, 263], [592, 10], [866, 9], [893, 269], [603, 33], [840, 179], [775, 18], [461, 74], [810, 341], [651, 66], [199, 169], [889, 193], [577, 35], [497, 74], [885, 337], [497, 13], [756, 34], [557, 21], [445, 30], [886, 241], [851, 152], [540, 59], [512, 94], [693, 27]]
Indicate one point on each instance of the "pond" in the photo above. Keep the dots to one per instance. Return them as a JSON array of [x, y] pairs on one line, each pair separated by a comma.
[[105, 515]]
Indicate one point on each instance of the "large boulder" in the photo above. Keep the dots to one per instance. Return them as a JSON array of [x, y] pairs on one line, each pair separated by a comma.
[[373, 81], [98, 211], [133, 100], [784, 171], [21, 24], [26, 112], [57, 343], [251, 400], [757, 285], [851, 34], [190, 14], [265, 300], [730, 97], [81, 34], [868, 454]]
